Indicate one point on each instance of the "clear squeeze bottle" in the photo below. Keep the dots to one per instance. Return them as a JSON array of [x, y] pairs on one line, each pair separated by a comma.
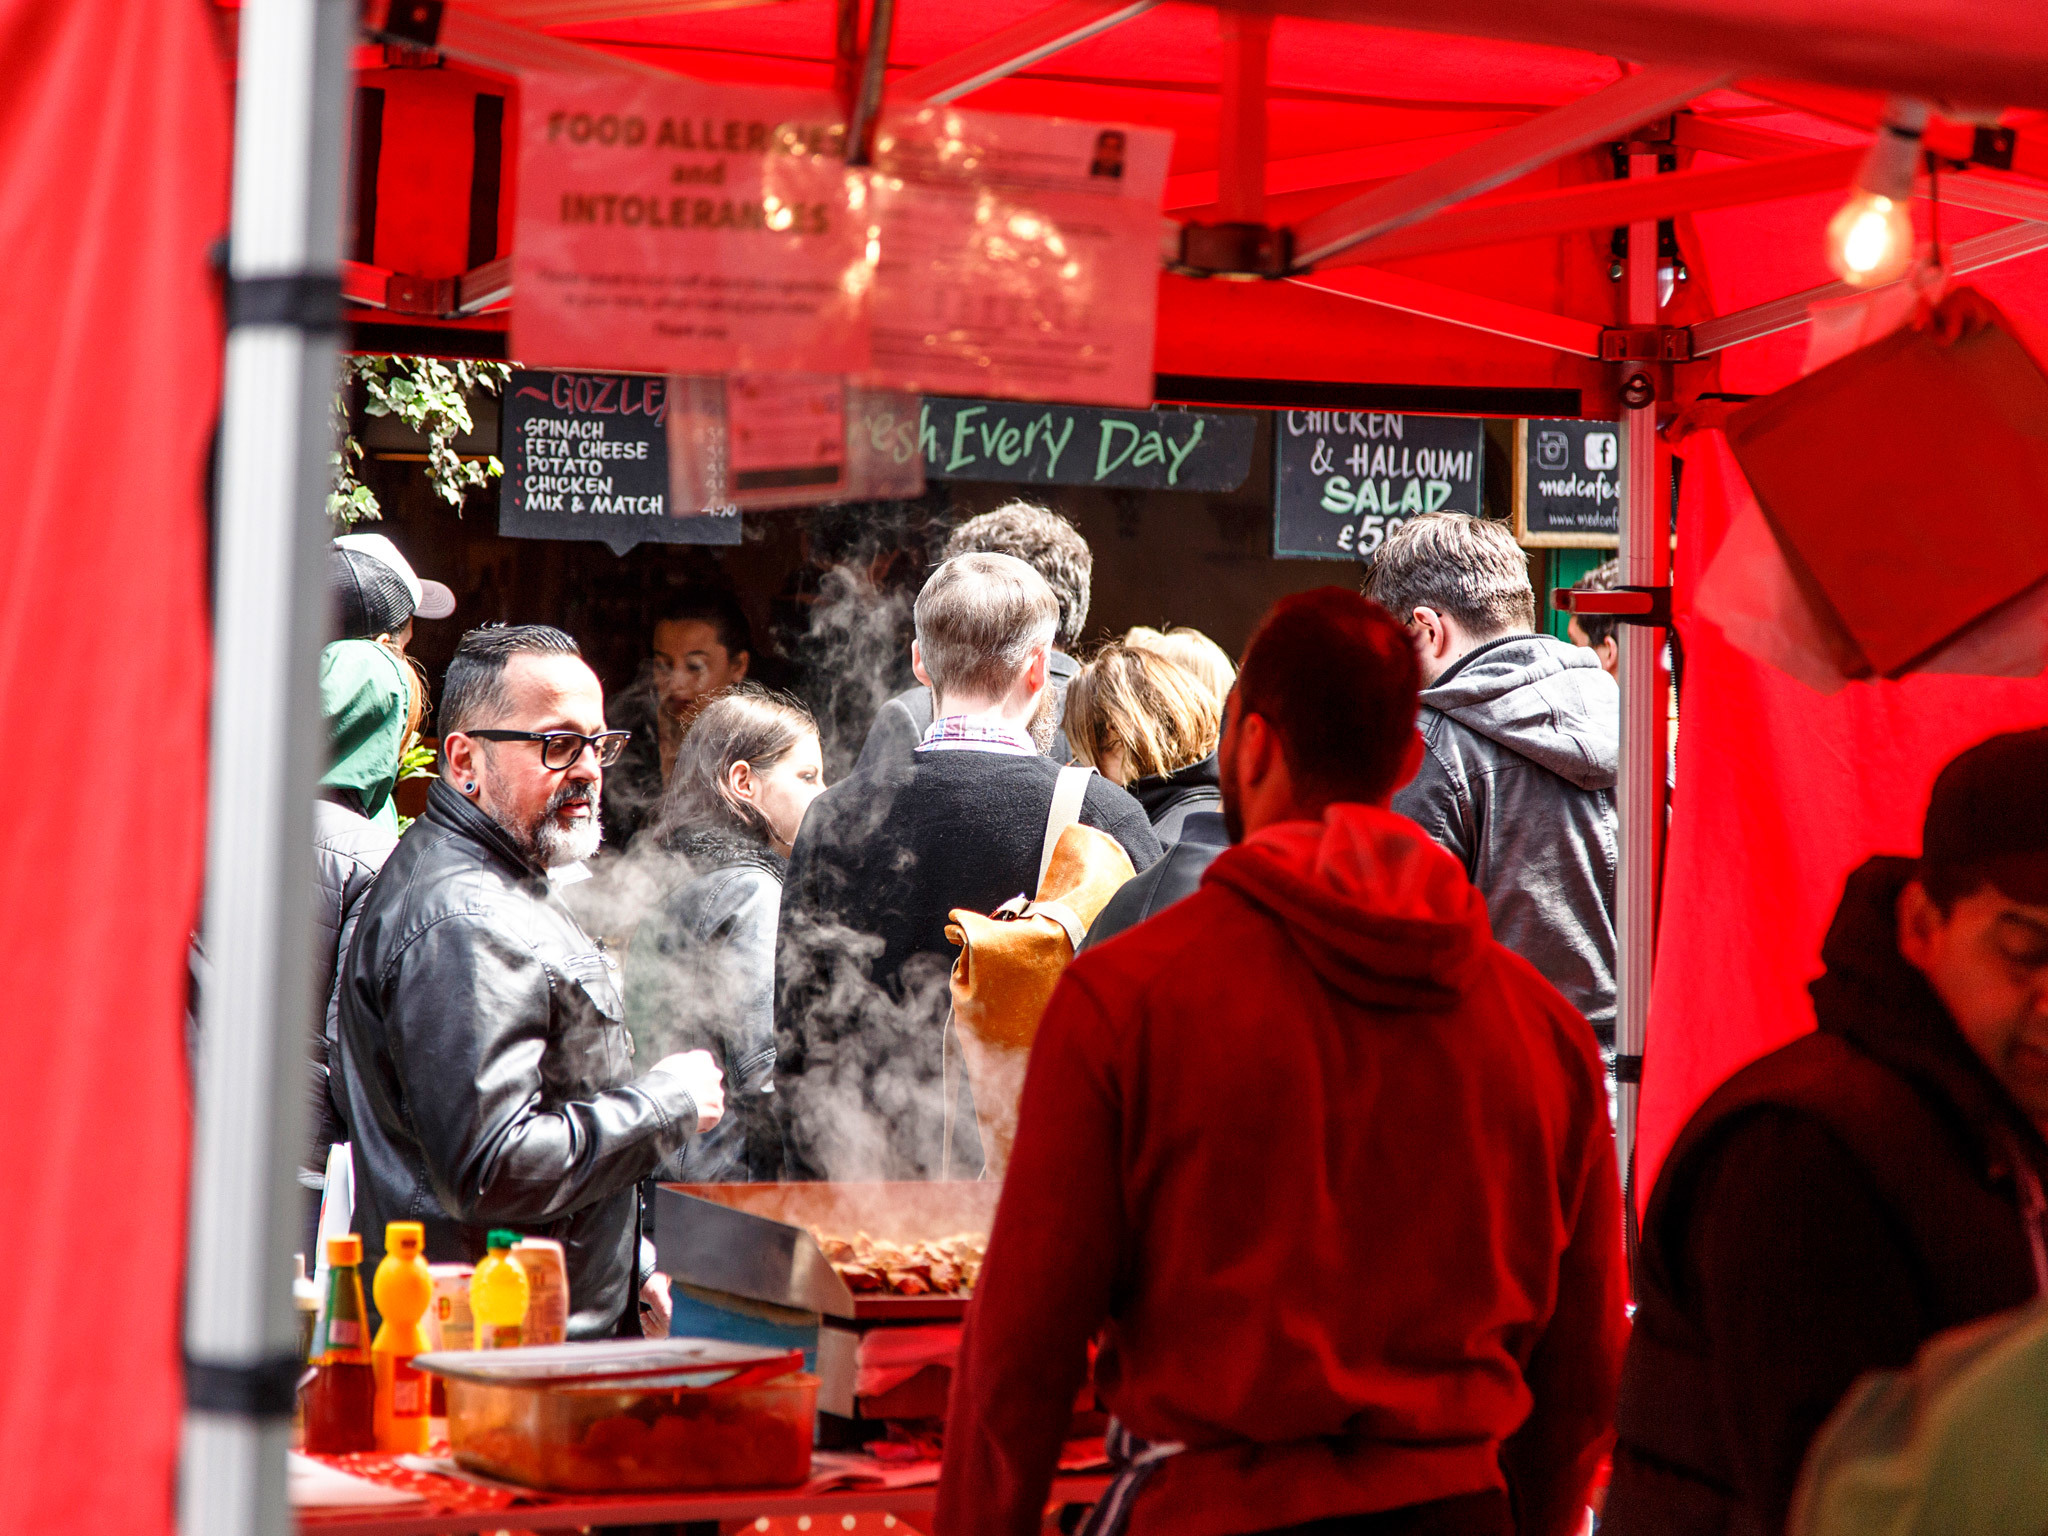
[[405, 1290], [340, 1401], [498, 1295]]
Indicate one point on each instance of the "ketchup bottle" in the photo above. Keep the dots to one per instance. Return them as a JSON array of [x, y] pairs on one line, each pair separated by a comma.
[[340, 1402]]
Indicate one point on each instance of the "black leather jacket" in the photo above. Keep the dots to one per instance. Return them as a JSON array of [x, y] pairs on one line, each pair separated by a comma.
[[348, 850], [486, 1073]]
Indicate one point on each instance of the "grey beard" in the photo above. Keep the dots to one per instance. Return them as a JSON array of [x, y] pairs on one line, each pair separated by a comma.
[[1042, 722], [553, 845]]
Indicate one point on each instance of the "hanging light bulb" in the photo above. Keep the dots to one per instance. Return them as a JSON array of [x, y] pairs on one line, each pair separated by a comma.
[[1870, 241]]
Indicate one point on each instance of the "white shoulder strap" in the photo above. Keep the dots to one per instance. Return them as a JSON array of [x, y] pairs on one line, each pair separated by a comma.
[[1067, 796]]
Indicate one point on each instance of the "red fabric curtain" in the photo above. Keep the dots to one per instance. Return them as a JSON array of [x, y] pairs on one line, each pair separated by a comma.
[[1781, 793], [114, 161]]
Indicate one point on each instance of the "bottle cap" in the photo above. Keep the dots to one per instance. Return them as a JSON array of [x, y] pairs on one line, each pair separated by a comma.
[[502, 1239], [345, 1250], [404, 1238]]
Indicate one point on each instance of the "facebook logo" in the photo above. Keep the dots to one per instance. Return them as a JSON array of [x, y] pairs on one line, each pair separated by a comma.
[[1601, 448]]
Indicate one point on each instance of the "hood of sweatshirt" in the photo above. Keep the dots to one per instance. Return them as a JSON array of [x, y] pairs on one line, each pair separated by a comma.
[[1383, 915], [364, 699], [1541, 698]]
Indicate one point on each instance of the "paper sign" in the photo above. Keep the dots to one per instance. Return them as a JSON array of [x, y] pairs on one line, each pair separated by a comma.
[[786, 440], [785, 432], [1018, 256], [679, 227]]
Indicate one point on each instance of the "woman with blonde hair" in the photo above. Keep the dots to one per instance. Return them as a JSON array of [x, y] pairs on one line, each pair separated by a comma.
[[1194, 653], [1148, 723], [700, 970]]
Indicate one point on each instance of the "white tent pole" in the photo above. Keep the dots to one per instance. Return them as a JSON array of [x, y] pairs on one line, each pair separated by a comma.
[[270, 610], [1645, 562]]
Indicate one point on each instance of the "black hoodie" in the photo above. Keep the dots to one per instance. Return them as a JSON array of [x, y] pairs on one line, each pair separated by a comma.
[[1831, 1207]]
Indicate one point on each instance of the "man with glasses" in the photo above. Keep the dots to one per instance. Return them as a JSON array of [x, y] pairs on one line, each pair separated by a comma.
[[487, 1076]]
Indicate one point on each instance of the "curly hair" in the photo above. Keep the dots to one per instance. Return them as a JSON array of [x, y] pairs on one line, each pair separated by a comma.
[[1046, 542]]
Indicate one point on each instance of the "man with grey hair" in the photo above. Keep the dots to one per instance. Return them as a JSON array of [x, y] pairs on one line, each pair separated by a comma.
[[1051, 546], [1523, 738], [486, 1073], [861, 950]]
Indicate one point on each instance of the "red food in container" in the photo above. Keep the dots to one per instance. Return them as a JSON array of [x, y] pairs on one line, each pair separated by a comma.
[[632, 1415]]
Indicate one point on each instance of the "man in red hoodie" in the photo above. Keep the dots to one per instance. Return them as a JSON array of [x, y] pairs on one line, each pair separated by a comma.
[[1326, 1168]]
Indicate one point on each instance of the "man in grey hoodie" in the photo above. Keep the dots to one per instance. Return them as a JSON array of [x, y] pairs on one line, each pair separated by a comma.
[[1523, 733]]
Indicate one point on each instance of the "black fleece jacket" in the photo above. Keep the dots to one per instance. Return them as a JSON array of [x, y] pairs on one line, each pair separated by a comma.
[[1831, 1207], [862, 956]]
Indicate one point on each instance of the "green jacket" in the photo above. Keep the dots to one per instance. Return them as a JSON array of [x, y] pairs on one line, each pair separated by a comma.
[[364, 698]]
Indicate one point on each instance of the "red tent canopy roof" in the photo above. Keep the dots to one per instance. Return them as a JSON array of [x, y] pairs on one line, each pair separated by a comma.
[[1350, 106]]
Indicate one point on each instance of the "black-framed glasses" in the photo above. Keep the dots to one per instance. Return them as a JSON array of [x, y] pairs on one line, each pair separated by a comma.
[[560, 749]]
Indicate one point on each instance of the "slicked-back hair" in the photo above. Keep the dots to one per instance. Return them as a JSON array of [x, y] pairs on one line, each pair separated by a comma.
[[713, 606], [978, 619], [1602, 578], [1046, 542], [473, 694], [1336, 679], [1466, 567]]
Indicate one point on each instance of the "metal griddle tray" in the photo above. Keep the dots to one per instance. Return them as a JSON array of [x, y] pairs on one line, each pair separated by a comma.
[[752, 1240]]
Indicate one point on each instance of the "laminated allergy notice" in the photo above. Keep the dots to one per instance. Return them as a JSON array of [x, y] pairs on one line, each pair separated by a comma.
[[1018, 256], [684, 228]]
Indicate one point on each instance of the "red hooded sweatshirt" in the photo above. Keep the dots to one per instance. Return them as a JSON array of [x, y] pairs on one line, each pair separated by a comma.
[[1330, 1172]]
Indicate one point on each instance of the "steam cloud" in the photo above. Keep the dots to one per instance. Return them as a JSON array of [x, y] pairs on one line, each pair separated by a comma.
[[863, 1085]]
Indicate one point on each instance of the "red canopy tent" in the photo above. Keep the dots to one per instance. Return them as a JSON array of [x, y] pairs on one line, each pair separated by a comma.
[[1498, 301], [1457, 191]]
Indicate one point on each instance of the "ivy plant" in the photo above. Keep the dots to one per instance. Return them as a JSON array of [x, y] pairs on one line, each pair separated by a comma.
[[417, 761], [431, 397]]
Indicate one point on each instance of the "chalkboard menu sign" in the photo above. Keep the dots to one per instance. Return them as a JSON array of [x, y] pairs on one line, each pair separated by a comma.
[[1344, 480], [586, 457], [1568, 484], [1075, 445]]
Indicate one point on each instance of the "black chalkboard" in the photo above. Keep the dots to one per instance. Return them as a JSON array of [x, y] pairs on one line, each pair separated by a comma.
[[586, 457], [1568, 484], [1344, 480], [1075, 445]]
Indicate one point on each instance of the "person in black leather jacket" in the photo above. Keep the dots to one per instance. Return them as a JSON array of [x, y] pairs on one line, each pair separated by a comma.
[[700, 971], [487, 1077]]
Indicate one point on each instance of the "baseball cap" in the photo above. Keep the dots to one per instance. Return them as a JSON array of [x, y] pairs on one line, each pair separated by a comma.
[[428, 599], [1988, 813]]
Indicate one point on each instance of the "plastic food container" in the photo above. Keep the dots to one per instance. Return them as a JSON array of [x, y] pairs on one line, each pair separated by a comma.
[[663, 1414]]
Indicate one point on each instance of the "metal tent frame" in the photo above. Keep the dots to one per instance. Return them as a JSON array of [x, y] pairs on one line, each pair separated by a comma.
[[288, 278]]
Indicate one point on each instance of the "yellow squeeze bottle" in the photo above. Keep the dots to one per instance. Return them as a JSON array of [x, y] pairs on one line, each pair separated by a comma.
[[404, 1288], [498, 1295]]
